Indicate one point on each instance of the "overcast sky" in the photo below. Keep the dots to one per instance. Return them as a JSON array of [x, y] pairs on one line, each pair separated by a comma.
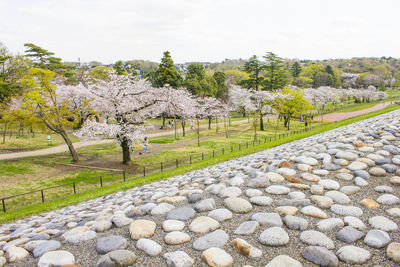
[[202, 30]]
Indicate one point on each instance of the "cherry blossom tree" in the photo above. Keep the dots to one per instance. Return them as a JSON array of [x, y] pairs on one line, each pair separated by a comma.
[[179, 104], [127, 102], [240, 99]]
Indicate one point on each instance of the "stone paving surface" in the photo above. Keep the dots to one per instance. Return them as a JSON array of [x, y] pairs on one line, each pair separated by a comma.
[[328, 200]]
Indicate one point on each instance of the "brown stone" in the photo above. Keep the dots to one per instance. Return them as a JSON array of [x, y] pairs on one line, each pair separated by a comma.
[[360, 144], [393, 251], [369, 203], [241, 248], [294, 180], [284, 164]]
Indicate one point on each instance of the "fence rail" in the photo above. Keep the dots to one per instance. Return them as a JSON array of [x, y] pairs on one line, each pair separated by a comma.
[[18, 201]]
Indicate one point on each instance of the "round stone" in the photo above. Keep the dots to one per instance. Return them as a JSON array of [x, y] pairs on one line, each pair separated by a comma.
[[46, 246], [377, 238], [277, 190], [329, 184], [267, 219], [203, 224], [253, 192], [357, 165], [14, 254], [349, 235], [178, 259], [274, 236], [193, 198], [295, 223], [220, 215], [286, 171], [232, 191], [110, 243], [362, 173], [217, 238], [330, 224], [349, 189], [181, 214], [394, 212], [315, 238], [283, 261], [320, 256], [353, 255], [162, 208], [322, 202], [369, 203], [393, 251], [286, 210], [247, 228], [360, 181], [238, 205], [141, 228], [205, 205], [176, 238], [173, 225], [244, 248], [338, 197], [261, 200], [150, 247], [56, 258], [310, 177], [382, 223], [118, 257], [346, 210], [388, 199], [355, 223], [376, 171], [274, 177], [316, 189], [217, 257], [314, 212]]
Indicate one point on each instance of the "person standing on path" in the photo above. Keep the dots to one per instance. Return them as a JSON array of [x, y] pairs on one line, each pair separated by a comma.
[[146, 144]]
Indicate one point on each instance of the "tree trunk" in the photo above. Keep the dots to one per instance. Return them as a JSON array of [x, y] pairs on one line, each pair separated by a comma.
[[209, 123], [163, 120], [4, 132], [255, 125], [175, 128], [70, 146], [276, 128], [198, 133], [126, 155], [226, 129], [261, 122], [183, 127], [216, 122]]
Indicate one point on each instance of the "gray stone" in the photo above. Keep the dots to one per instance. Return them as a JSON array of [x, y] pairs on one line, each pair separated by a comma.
[[238, 205], [181, 214], [261, 200], [320, 256], [247, 228], [329, 184], [267, 219], [110, 243], [382, 223], [360, 181], [46, 246], [295, 223], [117, 258], [388, 199], [217, 238], [178, 259], [329, 225], [277, 190], [390, 168], [205, 205], [384, 189], [315, 238], [346, 210], [283, 261], [56, 258], [377, 238], [193, 198], [150, 247], [338, 197], [349, 235], [274, 236], [362, 173], [292, 202], [220, 215], [259, 182], [353, 255], [162, 208]]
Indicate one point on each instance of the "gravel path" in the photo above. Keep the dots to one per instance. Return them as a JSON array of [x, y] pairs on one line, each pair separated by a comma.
[[327, 200], [338, 116]]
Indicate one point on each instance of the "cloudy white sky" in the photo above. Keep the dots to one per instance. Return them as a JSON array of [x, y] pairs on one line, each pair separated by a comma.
[[202, 30]]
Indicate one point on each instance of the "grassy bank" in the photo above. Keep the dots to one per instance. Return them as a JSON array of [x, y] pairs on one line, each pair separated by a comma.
[[74, 199]]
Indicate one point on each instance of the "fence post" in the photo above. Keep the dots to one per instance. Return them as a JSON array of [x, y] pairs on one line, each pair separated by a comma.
[[231, 149], [161, 167], [123, 174], [4, 205], [177, 163], [74, 188], [190, 159], [247, 144], [101, 181], [42, 195], [144, 171], [223, 151], [265, 139], [253, 142], [240, 146], [213, 153], [202, 155]]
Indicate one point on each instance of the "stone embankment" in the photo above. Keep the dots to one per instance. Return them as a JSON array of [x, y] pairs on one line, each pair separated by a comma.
[[329, 200]]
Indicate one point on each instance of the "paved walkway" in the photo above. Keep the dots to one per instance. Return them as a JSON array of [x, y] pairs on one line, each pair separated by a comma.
[[338, 116], [64, 148]]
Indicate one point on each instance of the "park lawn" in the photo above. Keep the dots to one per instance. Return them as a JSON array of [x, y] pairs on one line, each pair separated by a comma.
[[101, 191]]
